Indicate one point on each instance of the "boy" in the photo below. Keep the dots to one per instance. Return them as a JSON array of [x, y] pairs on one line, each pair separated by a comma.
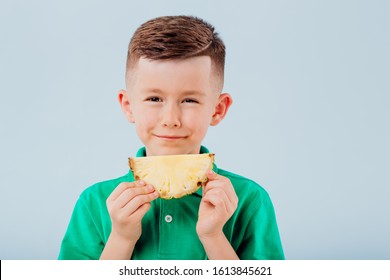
[[174, 80]]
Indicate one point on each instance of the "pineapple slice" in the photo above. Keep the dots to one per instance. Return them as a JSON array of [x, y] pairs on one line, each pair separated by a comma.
[[173, 176]]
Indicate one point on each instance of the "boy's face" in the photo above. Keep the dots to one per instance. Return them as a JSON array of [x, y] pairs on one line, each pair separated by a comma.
[[172, 103]]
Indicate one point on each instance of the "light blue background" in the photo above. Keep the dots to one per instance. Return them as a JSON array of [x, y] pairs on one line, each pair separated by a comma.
[[310, 119]]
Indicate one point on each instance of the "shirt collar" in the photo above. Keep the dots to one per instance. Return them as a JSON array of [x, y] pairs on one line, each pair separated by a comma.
[[142, 151], [203, 150]]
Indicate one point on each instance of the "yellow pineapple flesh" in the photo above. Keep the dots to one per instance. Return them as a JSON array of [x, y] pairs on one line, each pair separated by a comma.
[[173, 176]]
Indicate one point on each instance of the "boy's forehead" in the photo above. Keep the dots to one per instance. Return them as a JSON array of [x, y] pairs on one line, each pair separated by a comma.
[[199, 67], [143, 62]]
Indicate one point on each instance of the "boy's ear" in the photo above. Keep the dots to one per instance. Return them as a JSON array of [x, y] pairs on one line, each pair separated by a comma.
[[223, 104], [124, 102]]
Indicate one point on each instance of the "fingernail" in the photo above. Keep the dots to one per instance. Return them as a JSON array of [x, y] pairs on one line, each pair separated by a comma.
[[149, 187], [142, 183]]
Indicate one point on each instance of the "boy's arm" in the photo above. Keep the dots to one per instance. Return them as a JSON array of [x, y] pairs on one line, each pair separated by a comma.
[[261, 240], [117, 248], [218, 204], [127, 205], [82, 240], [219, 248]]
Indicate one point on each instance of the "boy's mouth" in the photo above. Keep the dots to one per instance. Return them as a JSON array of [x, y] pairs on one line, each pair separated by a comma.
[[170, 137]]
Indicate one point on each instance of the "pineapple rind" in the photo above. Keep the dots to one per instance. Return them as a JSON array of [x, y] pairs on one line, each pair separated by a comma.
[[173, 176]]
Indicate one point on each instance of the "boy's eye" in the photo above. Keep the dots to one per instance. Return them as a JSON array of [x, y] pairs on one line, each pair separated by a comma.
[[189, 100], [154, 99]]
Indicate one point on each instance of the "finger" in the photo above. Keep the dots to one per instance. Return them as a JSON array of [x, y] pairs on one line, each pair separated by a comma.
[[218, 199], [217, 204], [229, 197], [122, 187], [141, 211], [224, 184], [132, 206], [130, 193], [211, 175]]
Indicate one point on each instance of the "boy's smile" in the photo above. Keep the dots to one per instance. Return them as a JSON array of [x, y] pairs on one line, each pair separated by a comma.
[[172, 103]]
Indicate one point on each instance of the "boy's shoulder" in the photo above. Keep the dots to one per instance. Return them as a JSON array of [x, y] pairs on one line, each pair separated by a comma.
[[251, 196], [243, 186]]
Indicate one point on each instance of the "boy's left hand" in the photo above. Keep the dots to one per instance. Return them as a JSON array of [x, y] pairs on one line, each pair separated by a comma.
[[217, 205]]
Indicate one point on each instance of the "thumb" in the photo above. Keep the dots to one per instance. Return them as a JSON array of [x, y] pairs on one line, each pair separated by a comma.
[[211, 175]]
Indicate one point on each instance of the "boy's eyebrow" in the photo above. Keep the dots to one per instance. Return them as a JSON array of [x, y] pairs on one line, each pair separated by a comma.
[[187, 92]]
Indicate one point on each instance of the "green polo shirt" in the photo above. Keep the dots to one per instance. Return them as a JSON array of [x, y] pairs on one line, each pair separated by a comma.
[[168, 228]]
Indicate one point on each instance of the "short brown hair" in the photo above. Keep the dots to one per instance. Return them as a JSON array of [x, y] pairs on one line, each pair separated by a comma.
[[177, 37]]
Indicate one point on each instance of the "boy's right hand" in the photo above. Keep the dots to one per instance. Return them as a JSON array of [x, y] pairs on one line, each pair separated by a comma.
[[127, 205]]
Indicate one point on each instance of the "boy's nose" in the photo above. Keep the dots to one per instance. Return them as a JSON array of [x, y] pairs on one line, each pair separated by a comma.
[[171, 117]]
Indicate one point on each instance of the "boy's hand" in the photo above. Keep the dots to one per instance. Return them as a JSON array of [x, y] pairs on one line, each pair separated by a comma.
[[127, 205], [217, 205]]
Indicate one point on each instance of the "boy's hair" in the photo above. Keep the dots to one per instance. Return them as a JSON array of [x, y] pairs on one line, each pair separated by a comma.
[[177, 37]]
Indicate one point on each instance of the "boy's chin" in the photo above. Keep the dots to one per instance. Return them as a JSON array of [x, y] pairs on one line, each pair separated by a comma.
[[168, 151]]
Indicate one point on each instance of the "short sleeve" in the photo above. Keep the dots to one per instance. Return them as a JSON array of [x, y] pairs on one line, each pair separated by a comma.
[[261, 238], [82, 240]]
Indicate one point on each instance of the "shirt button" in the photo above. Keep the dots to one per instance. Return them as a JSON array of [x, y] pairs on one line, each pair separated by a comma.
[[168, 218]]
